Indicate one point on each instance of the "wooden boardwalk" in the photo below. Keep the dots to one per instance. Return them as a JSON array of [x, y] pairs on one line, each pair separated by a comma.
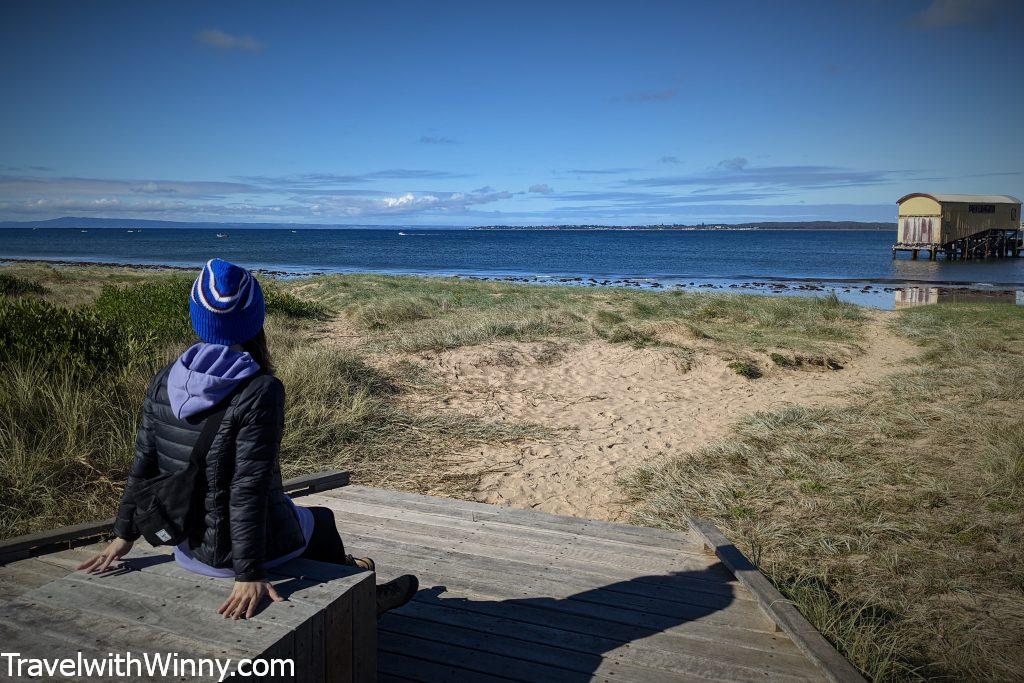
[[521, 595]]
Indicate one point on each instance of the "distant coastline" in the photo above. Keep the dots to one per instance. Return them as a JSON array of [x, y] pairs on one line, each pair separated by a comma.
[[82, 222], [764, 225]]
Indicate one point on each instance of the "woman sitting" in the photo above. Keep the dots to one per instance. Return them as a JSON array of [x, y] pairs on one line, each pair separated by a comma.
[[243, 523]]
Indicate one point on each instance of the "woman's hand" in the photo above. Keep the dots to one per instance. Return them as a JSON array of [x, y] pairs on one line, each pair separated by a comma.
[[115, 550], [245, 598]]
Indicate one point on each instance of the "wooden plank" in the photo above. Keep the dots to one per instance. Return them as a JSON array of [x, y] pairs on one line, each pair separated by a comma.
[[550, 544], [320, 481], [709, 624], [339, 665], [163, 614], [544, 536], [22, 576], [636, 535], [324, 592], [402, 666], [775, 605], [27, 626], [659, 599], [653, 585], [583, 618], [515, 585], [509, 643], [21, 547], [471, 660], [303, 620], [26, 545], [364, 630], [384, 528], [672, 654]]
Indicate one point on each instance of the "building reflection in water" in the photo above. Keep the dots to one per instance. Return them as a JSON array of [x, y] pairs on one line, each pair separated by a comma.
[[923, 296]]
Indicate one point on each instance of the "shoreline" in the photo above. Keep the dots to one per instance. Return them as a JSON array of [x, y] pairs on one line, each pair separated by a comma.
[[542, 278], [882, 293]]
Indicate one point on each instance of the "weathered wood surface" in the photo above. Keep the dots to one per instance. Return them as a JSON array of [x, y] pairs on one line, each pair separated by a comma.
[[505, 595], [27, 545], [327, 624], [523, 595]]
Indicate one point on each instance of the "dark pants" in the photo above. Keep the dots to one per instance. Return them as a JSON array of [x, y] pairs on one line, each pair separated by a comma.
[[325, 545]]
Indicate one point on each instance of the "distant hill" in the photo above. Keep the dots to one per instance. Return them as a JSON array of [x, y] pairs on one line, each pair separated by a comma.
[[82, 222]]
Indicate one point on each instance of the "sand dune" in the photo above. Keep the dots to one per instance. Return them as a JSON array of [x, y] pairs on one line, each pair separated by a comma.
[[613, 407]]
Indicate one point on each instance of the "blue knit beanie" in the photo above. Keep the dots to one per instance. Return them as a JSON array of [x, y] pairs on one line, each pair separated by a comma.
[[226, 304]]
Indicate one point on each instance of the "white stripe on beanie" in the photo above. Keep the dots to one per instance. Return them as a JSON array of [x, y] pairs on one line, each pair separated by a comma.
[[197, 289]]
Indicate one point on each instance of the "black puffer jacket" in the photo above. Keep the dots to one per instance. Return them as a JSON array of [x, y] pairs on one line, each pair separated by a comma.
[[247, 517]]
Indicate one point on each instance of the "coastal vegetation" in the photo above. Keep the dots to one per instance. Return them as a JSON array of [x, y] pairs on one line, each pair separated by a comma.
[[75, 362], [410, 314], [894, 521], [893, 518]]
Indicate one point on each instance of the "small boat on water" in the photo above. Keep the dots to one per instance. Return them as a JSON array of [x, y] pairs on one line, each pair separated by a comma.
[[83, 231], [129, 231], [294, 231], [222, 234], [402, 234]]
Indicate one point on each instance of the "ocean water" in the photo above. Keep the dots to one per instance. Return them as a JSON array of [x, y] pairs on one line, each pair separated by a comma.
[[775, 261]]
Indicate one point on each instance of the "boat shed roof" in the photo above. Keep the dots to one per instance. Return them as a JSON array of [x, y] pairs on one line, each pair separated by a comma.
[[963, 198]]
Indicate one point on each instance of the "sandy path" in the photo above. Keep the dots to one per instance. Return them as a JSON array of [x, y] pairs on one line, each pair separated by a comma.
[[615, 407]]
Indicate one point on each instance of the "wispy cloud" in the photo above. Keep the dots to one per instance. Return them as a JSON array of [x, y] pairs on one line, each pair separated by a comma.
[[668, 159], [17, 169], [19, 185], [213, 37], [313, 196], [303, 181], [652, 200], [541, 188], [333, 205], [739, 172], [437, 140]]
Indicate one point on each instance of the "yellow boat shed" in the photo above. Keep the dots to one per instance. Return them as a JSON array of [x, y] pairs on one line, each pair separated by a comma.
[[959, 226]]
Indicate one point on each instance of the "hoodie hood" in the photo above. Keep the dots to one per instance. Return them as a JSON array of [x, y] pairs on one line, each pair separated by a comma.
[[204, 375]]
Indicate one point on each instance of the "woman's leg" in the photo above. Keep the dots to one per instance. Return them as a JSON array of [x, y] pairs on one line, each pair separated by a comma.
[[325, 545]]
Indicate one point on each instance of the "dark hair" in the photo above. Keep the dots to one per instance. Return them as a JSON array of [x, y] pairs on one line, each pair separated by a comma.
[[257, 348]]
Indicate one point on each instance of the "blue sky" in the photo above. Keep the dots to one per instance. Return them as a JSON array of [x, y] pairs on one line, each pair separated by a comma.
[[518, 112]]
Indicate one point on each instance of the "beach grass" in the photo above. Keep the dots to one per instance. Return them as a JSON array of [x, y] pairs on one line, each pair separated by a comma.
[[410, 314], [76, 355], [895, 522]]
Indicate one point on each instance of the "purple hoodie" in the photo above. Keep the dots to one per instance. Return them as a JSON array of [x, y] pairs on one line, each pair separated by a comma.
[[204, 375]]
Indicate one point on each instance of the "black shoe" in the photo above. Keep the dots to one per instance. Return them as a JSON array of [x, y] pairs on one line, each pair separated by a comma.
[[396, 593]]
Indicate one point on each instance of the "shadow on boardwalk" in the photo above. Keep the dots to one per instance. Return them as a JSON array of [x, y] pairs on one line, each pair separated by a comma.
[[535, 638]]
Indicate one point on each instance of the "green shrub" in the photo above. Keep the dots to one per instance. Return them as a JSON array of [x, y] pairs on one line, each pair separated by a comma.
[[781, 360], [57, 336], [287, 304], [628, 334], [12, 285], [745, 368], [155, 312]]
